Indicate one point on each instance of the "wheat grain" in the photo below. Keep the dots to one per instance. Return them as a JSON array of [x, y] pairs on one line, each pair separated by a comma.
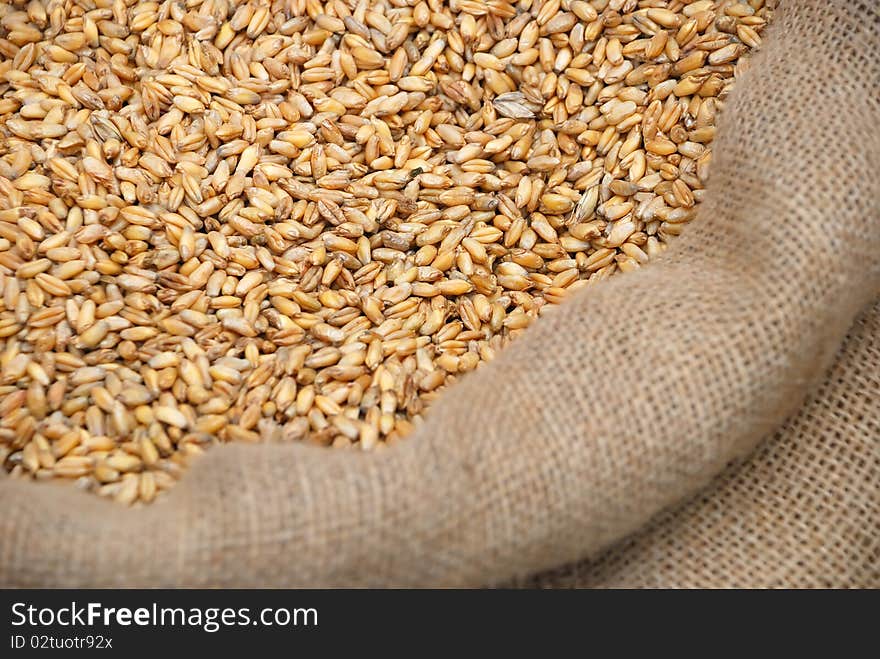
[[237, 220]]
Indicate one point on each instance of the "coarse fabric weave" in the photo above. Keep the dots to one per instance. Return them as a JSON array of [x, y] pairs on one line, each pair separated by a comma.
[[802, 512], [620, 404]]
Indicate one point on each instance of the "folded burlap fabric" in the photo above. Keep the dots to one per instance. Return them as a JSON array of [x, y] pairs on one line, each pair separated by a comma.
[[801, 512], [624, 401]]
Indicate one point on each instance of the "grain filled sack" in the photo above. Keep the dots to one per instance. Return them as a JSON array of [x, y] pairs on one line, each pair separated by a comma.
[[568, 443]]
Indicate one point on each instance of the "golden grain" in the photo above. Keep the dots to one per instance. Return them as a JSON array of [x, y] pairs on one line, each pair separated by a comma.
[[227, 220]]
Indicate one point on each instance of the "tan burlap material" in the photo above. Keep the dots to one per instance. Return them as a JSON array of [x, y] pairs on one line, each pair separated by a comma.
[[804, 511], [623, 402]]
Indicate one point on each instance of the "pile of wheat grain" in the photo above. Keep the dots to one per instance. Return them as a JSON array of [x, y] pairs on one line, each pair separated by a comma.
[[226, 220]]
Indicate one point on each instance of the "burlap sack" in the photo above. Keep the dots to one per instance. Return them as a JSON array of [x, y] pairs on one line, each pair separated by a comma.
[[626, 400], [803, 511]]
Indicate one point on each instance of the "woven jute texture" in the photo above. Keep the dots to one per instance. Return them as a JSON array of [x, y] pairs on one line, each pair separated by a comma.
[[620, 404], [802, 512]]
